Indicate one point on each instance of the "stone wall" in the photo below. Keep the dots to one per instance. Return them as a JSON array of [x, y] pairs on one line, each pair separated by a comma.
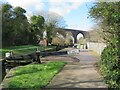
[[97, 47], [2, 70]]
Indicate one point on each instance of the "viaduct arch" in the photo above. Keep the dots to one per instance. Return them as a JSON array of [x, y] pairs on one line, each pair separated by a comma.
[[76, 32]]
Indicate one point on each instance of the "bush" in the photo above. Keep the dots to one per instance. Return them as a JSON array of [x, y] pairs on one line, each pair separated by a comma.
[[110, 66], [108, 18]]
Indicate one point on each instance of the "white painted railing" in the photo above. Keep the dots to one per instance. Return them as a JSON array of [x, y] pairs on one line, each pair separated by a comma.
[[97, 47]]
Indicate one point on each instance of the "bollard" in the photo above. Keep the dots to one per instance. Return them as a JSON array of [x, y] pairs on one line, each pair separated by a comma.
[[38, 56], [8, 54]]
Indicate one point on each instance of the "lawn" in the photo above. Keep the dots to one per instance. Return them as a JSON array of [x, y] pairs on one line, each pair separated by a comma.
[[35, 75], [24, 49]]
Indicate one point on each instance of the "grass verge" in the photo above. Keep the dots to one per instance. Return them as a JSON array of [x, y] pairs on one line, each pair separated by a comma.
[[24, 49], [34, 76]]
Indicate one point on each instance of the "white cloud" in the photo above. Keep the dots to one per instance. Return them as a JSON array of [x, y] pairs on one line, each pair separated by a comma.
[[28, 5], [39, 7], [63, 7], [72, 0], [79, 26]]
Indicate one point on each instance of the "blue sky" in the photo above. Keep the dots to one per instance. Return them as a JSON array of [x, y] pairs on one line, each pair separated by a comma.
[[74, 12], [79, 18]]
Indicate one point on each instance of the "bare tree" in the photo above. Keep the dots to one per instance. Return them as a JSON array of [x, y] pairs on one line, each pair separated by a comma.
[[96, 34]]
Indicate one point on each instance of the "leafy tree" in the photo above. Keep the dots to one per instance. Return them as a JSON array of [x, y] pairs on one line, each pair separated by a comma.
[[69, 41], [51, 31], [7, 27], [38, 21], [54, 23], [0, 26], [15, 26], [58, 41], [107, 15], [68, 38], [21, 26], [37, 28]]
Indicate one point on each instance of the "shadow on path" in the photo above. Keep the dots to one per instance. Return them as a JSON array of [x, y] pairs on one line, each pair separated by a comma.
[[80, 74]]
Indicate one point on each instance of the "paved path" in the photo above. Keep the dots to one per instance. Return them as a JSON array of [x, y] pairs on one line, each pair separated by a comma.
[[81, 74]]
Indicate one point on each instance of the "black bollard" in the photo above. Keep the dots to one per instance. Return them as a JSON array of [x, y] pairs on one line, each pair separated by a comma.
[[38, 56]]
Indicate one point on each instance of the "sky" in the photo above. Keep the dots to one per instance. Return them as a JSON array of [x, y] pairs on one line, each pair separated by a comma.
[[74, 12]]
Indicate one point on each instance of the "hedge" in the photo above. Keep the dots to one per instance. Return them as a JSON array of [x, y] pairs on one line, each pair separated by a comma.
[[110, 66]]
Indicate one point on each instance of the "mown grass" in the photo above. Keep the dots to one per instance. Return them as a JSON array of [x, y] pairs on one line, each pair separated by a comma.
[[17, 47], [24, 49], [35, 76]]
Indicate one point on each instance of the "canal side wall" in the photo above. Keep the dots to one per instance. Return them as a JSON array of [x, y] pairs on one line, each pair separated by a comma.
[[2, 70], [96, 47]]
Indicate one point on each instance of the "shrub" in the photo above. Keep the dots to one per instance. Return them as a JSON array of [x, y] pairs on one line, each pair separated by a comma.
[[108, 18], [110, 66]]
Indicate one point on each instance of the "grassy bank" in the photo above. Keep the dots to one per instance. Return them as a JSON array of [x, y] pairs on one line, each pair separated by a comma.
[[25, 49], [35, 76]]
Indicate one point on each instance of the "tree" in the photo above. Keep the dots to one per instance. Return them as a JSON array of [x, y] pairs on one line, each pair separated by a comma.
[[38, 21], [15, 26], [82, 41], [96, 34], [54, 22], [107, 15], [58, 41], [21, 26], [37, 28], [69, 38], [7, 27]]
